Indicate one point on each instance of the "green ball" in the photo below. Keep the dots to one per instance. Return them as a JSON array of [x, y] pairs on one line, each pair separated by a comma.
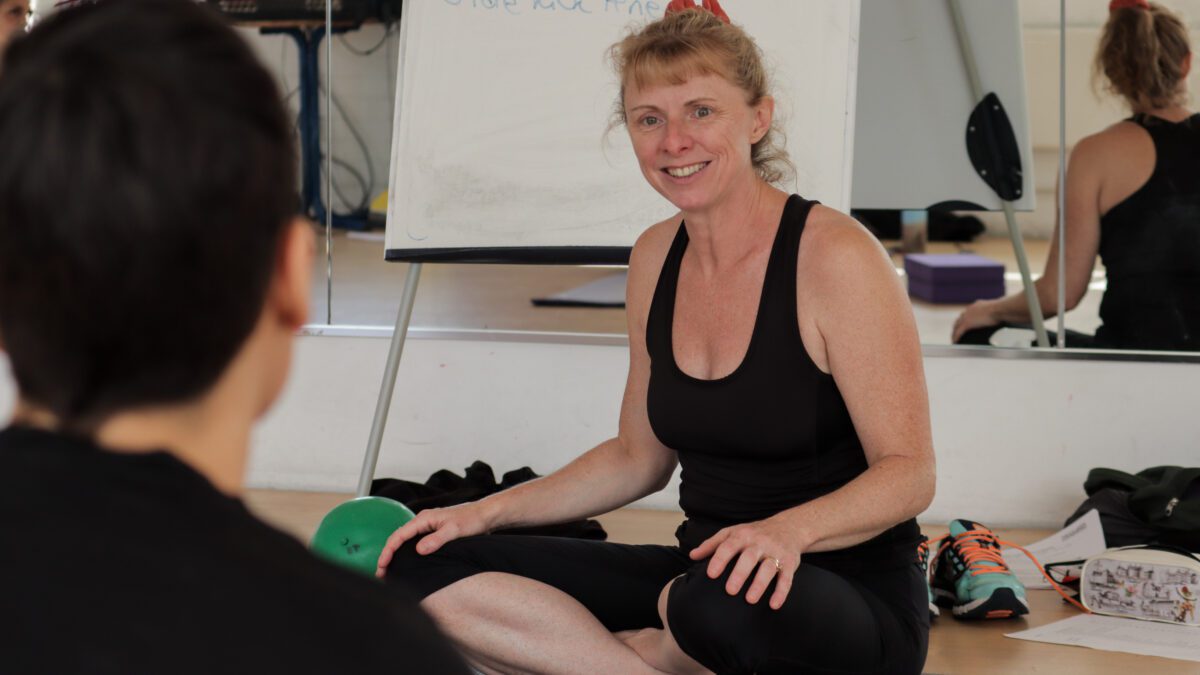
[[353, 533]]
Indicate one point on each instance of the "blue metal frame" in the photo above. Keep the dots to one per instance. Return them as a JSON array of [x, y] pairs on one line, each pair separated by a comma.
[[308, 42]]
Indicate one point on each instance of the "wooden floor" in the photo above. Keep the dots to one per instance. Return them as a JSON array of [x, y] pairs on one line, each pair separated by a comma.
[[975, 648]]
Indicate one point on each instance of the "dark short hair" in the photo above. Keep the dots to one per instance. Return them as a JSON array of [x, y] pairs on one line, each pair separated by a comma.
[[146, 176]]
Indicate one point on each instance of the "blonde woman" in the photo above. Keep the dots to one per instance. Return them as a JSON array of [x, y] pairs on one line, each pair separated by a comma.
[[773, 356]]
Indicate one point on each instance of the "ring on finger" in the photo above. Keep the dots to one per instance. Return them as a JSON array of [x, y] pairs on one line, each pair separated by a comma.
[[778, 565]]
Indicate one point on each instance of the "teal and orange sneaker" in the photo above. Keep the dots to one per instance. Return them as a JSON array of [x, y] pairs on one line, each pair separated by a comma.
[[923, 557], [970, 575]]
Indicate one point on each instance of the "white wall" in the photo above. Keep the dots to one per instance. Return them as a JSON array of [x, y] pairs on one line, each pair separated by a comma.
[[510, 404], [1014, 437]]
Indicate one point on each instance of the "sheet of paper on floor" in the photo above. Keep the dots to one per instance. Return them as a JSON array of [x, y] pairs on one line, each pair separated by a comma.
[[1115, 634], [1083, 538]]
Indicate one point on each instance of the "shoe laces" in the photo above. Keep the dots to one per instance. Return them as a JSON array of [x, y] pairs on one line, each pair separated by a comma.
[[980, 551], [924, 559]]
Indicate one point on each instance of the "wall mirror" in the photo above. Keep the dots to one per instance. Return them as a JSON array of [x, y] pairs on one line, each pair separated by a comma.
[[1156, 307], [365, 291], [352, 120], [1151, 314]]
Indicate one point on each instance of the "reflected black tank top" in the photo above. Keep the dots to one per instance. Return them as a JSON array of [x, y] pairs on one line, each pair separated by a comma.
[[1150, 245], [774, 433]]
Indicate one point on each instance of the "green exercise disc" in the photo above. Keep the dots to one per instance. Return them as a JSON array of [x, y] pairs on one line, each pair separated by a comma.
[[353, 533]]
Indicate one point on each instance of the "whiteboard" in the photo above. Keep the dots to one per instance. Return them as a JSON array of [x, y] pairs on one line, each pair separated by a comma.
[[499, 152], [914, 100]]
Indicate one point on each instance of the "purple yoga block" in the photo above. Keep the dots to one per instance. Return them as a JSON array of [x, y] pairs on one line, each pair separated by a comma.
[[954, 293], [953, 277]]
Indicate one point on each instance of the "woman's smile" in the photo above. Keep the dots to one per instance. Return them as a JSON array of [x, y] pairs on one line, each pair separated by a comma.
[[693, 139], [683, 173]]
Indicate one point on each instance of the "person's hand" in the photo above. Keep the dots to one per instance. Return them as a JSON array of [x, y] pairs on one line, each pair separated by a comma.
[[770, 545], [979, 314], [439, 526]]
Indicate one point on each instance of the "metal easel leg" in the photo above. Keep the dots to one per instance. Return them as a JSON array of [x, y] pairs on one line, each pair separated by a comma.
[[384, 404], [1014, 232], [1031, 296]]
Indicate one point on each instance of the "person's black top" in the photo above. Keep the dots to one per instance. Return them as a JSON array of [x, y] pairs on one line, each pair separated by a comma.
[[1150, 245], [771, 435], [135, 563]]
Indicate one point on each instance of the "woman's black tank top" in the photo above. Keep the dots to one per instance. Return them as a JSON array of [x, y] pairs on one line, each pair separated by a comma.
[[771, 435], [1150, 246]]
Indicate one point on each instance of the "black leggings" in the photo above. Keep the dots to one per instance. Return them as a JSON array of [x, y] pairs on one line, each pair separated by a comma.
[[876, 622]]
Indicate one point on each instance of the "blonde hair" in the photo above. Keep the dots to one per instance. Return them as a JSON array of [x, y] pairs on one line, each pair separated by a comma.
[[1141, 55], [694, 42]]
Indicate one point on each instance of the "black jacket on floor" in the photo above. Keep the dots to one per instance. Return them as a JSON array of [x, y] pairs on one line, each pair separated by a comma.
[[446, 488]]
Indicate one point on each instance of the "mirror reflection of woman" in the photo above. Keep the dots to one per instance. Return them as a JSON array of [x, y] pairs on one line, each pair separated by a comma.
[[1132, 197]]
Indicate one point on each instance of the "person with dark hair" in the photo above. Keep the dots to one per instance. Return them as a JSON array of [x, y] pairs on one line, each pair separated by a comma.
[[1132, 197], [153, 271], [774, 357]]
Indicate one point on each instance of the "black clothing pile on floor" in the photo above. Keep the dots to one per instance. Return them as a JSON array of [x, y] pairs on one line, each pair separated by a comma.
[[1159, 505], [446, 488]]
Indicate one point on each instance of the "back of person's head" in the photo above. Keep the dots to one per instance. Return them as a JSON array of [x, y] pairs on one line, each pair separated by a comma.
[[146, 178], [694, 42], [1144, 54]]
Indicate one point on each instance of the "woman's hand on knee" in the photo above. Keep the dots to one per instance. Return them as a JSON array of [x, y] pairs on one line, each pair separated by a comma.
[[762, 551], [438, 527]]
